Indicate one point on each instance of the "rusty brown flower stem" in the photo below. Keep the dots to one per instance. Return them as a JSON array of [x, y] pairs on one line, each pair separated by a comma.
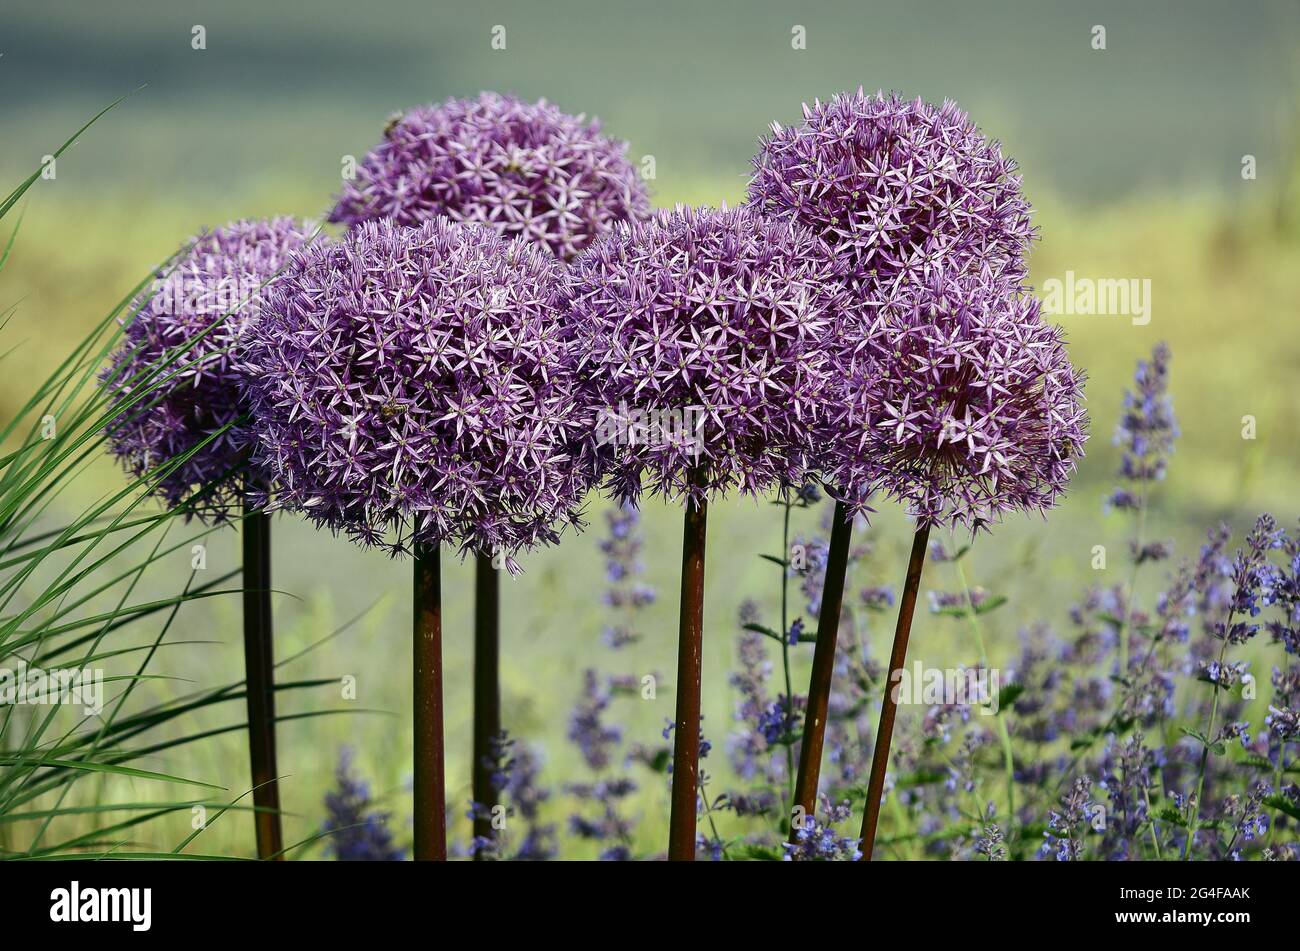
[[430, 791], [259, 681], [487, 691], [819, 686], [686, 734], [897, 660]]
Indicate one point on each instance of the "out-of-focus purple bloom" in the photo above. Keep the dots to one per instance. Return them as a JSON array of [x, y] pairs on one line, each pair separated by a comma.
[[622, 550], [1224, 675], [1149, 551], [179, 360], [796, 631], [1285, 629], [594, 738], [356, 831], [962, 766], [708, 848], [527, 170], [808, 495], [779, 723], [1253, 582], [1237, 730], [515, 772], [413, 385], [606, 823], [812, 576], [990, 844], [1283, 719], [706, 746], [1150, 697], [1283, 723], [1067, 826], [1174, 605], [761, 802], [818, 841], [900, 189], [876, 598], [747, 745], [950, 601], [719, 317], [1248, 815], [851, 707], [1126, 769], [1146, 431]]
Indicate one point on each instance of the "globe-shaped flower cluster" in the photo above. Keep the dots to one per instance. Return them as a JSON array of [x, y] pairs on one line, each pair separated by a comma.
[[178, 362], [959, 401], [526, 169], [413, 385], [704, 336], [900, 189]]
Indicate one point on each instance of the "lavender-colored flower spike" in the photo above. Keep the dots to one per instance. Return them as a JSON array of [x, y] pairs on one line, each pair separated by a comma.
[[962, 404], [900, 189], [215, 290], [413, 385], [1147, 430], [703, 335], [526, 169]]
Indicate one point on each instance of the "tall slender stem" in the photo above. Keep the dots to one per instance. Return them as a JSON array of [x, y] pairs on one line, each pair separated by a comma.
[[430, 791], [888, 709], [823, 666], [487, 692], [686, 738], [785, 642], [259, 676]]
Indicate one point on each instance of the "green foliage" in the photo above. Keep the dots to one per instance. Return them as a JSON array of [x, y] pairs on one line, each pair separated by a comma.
[[68, 604]]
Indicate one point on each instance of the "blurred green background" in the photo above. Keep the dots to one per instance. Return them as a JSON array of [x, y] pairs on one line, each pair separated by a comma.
[[1132, 157]]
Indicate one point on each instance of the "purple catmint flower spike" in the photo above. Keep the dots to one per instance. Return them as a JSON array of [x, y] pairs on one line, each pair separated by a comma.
[[355, 829], [527, 170], [704, 336], [197, 313], [1147, 431]]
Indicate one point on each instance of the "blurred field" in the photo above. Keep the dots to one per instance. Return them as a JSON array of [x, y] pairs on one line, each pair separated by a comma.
[[1220, 254]]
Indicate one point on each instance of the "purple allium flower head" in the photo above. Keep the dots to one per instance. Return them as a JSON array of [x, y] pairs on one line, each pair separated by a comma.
[[959, 401], [528, 170], [182, 341], [900, 189], [703, 334], [412, 385]]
